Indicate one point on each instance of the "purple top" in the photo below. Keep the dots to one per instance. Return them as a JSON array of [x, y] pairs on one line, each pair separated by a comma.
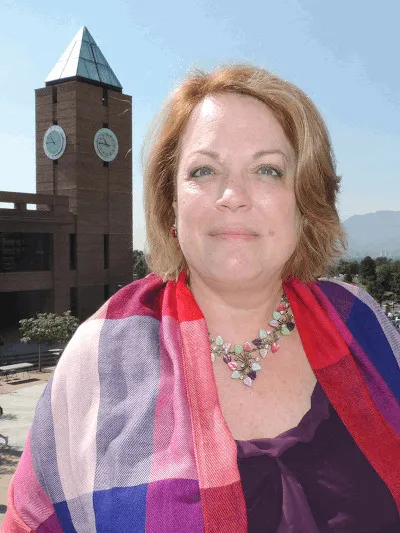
[[314, 479]]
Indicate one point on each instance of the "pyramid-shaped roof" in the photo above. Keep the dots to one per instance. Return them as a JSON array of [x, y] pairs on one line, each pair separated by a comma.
[[83, 59]]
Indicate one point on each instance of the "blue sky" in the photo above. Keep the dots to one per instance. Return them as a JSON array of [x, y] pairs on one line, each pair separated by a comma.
[[345, 55]]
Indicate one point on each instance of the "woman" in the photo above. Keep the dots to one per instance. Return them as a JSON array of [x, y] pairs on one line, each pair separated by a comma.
[[292, 424]]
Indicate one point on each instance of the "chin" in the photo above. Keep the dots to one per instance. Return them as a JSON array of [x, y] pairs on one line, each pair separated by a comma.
[[233, 269]]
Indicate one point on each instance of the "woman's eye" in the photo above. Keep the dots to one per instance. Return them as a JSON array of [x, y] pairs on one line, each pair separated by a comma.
[[202, 171], [267, 170]]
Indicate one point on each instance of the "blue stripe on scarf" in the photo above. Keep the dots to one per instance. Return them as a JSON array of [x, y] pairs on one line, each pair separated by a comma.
[[368, 332], [121, 509], [64, 517]]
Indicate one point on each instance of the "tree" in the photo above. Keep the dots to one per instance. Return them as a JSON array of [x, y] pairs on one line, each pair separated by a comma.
[[342, 266], [48, 327], [384, 276], [376, 291], [367, 270], [396, 284], [348, 277], [382, 260], [140, 267], [354, 268]]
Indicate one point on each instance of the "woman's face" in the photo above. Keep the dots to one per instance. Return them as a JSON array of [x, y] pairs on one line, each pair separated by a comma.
[[236, 211]]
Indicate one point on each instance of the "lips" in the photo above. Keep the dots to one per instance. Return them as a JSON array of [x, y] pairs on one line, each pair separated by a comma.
[[233, 231], [228, 233]]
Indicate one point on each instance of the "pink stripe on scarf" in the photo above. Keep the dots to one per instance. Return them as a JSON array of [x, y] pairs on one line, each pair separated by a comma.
[[28, 506], [173, 448]]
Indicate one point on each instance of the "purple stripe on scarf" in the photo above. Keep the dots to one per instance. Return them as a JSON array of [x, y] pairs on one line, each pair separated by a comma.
[[129, 372], [43, 447], [174, 506]]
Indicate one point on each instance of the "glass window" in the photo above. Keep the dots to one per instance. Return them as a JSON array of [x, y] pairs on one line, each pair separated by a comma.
[[106, 251], [105, 99], [106, 292], [25, 252], [72, 251]]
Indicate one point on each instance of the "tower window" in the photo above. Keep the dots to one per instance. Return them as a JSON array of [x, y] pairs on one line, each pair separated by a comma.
[[105, 96], [73, 300], [72, 251], [106, 292], [105, 164], [106, 243]]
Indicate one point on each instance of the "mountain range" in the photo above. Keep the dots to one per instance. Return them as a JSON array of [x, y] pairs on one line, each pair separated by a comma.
[[375, 234]]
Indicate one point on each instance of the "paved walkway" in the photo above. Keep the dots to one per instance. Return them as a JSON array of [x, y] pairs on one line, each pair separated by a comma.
[[19, 409]]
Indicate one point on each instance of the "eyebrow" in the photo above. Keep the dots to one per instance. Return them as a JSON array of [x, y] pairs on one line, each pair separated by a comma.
[[261, 153], [257, 155], [210, 153]]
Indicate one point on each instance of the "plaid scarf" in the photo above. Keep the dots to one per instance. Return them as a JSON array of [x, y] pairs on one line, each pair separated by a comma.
[[129, 436]]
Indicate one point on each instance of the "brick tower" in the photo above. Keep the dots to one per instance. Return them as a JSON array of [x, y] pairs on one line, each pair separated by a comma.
[[84, 151]]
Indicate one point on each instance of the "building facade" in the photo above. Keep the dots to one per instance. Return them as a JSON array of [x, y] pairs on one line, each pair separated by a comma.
[[74, 248]]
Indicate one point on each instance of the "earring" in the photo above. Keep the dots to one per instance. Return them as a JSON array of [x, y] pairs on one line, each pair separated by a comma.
[[174, 231]]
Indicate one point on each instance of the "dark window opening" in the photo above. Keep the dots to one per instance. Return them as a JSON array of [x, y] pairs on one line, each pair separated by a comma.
[[55, 122], [106, 292], [25, 252], [105, 164], [55, 162], [105, 124], [72, 251], [106, 243], [73, 300], [54, 89], [105, 96]]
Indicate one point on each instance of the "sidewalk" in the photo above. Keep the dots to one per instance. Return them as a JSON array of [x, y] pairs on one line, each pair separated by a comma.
[[18, 399]]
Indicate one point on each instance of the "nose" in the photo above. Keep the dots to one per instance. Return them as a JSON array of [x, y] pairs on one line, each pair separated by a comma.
[[234, 195]]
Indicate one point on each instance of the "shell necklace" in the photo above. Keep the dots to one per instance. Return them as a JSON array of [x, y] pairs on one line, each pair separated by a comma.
[[244, 360]]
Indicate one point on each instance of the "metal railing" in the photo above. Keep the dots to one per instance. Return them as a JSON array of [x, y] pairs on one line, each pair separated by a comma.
[[47, 358]]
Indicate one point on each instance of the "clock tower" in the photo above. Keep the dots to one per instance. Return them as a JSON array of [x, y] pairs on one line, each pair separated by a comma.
[[84, 152]]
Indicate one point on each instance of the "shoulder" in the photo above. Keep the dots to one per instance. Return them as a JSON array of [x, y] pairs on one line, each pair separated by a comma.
[[345, 296], [110, 365], [141, 297], [361, 313], [369, 327], [111, 326]]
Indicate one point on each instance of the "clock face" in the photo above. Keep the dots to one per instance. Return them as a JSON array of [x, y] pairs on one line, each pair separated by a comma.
[[54, 142], [106, 144]]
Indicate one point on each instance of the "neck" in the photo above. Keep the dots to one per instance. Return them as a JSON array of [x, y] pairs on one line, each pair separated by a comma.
[[236, 313]]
